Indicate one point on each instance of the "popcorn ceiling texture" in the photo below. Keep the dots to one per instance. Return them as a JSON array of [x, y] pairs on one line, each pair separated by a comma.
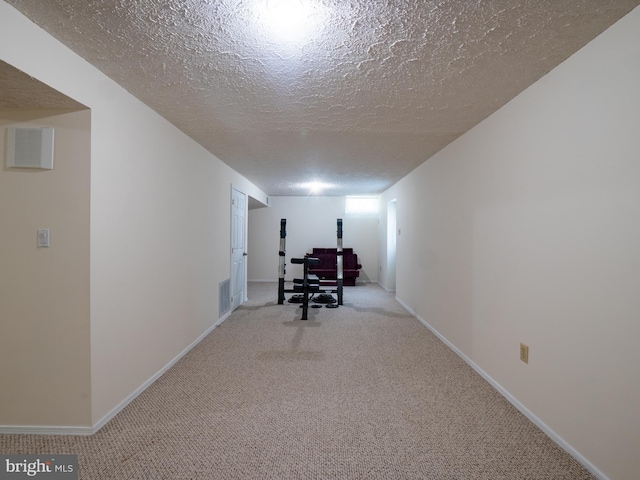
[[19, 90], [367, 93]]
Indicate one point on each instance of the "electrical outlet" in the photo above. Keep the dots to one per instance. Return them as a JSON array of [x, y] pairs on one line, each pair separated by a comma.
[[524, 353]]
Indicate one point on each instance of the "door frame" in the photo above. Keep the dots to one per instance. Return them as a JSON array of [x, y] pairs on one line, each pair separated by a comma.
[[244, 247], [392, 238]]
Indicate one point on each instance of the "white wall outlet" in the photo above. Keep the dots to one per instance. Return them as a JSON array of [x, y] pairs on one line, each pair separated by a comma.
[[524, 353]]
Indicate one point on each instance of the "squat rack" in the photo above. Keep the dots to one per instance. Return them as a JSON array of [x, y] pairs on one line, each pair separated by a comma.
[[310, 283]]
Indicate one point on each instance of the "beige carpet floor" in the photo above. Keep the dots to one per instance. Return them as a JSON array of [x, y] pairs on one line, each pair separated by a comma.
[[360, 392]]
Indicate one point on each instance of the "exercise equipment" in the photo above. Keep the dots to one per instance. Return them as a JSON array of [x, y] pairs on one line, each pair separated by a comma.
[[339, 262], [325, 298], [306, 287], [281, 265]]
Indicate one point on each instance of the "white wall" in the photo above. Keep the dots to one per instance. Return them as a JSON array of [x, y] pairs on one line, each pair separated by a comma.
[[159, 222], [45, 364], [311, 222], [526, 229], [387, 242]]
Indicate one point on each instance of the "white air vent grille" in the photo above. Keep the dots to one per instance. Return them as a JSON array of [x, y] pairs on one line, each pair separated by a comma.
[[30, 147], [224, 296]]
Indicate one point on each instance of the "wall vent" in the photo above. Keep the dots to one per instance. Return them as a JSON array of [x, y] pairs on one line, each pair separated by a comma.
[[30, 147], [224, 296]]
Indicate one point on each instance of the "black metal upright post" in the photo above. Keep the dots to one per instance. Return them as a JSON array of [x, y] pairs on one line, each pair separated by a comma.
[[281, 264], [339, 262], [305, 290], [304, 284]]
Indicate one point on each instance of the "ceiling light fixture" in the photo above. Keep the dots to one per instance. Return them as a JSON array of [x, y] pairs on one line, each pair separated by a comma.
[[288, 20], [285, 11], [315, 188]]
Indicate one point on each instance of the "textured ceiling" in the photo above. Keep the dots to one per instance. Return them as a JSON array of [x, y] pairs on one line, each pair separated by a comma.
[[19, 90], [354, 93]]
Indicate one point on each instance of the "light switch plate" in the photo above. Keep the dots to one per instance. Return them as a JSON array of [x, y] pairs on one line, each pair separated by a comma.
[[44, 238]]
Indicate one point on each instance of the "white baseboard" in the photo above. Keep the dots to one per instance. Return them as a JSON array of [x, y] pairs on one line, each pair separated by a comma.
[[146, 384], [201, 337], [514, 401], [40, 430], [390, 290], [37, 430]]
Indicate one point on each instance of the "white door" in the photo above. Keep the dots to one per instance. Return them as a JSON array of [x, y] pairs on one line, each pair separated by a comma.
[[238, 252]]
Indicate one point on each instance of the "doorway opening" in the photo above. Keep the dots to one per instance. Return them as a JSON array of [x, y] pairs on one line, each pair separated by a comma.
[[391, 244], [238, 248]]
